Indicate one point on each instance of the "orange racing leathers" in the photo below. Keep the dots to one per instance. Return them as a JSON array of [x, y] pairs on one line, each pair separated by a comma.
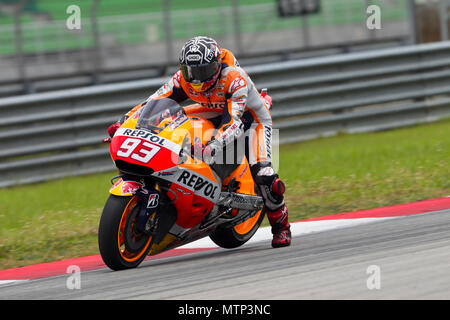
[[238, 106], [235, 99]]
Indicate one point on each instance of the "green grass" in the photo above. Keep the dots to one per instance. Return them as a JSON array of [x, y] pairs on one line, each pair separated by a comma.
[[364, 171], [51, 221], [59, 219]]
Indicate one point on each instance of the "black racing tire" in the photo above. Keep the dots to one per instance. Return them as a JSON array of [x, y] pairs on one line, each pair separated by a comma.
[[228, 237], [120, 247]]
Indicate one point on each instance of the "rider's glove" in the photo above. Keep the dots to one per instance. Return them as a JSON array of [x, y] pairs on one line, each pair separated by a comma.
[[197, 149], [266, 97], [113, 128], [210, 151]]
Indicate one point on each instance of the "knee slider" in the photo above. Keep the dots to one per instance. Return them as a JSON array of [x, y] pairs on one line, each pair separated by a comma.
[[267, 176], [272, 187], [278, 187]]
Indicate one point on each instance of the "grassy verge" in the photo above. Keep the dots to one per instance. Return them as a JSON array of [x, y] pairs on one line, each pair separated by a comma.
[[59, 219], [363, 171], [51, 221]]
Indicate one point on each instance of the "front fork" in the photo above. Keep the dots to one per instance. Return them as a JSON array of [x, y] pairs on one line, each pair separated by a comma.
[[150, 199]]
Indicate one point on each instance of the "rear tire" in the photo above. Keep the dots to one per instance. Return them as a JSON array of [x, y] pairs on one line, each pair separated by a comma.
[[121, 247], [235, 236]]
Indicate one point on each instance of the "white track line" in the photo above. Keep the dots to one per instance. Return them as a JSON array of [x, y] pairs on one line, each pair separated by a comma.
[[297, 229], [5, 283]]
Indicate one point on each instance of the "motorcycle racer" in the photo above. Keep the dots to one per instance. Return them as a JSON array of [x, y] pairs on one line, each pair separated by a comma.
[[225, 94]]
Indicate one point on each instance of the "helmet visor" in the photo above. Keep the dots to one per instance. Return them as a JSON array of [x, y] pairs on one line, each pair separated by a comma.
[[199, 73]]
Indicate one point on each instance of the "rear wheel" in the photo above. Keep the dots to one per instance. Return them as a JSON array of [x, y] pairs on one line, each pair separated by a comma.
[[121, 245], [234, 236]]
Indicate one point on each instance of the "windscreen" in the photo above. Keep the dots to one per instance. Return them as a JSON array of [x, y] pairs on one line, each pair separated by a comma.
[[155, 112]]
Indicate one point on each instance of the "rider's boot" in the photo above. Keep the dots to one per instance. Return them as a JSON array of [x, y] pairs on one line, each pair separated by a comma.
[[281, 229], [272, 190]]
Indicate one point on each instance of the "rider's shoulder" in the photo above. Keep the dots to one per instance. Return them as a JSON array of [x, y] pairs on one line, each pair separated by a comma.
[[177, 79], [228, 58], [232, 75], [234, 79], [230, 66]]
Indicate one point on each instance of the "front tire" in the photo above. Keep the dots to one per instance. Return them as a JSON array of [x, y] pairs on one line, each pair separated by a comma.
[[232, 237], [121, 245]]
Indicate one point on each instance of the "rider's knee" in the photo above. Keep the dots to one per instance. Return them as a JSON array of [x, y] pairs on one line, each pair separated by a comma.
[[271, 186]]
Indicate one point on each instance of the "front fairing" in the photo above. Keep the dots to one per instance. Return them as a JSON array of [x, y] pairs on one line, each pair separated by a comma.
[[158, 144], [149, 142], [133, 148]]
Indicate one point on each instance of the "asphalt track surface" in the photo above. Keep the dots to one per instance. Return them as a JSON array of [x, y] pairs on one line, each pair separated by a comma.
[[411, 255]]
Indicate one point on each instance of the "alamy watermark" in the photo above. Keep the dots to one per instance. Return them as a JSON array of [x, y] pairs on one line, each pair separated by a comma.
[[73, 282], [73, 22], [373, 21], [373, 282]]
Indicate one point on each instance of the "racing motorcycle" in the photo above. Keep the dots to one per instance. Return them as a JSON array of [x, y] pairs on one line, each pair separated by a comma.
[[166, 195]]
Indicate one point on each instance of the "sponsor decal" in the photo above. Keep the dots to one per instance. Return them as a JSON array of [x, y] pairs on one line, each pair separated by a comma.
[[178, 122], [243, 171], [153, 200], [236, 84], [193, 92], [199, 184], [209, 54], [268, 135], [166, 173], [192, 181], [182, 191], [117, 183], [149, 136], [241, 104], [221, 83], [144, 153], [213, 105], [162, 91], [194, 48], [231, 132], [146, 135], [136, 114], [207, 94], [176, 79], [131, 186], [266, 171], [193, 57]]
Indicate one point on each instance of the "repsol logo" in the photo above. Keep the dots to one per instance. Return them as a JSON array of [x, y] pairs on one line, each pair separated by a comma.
[[196, 182], [268, 135], [213, 105], [144, 135]]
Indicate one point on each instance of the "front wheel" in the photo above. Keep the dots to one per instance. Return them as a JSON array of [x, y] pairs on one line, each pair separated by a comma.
[[121, 245], [236, 236]]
